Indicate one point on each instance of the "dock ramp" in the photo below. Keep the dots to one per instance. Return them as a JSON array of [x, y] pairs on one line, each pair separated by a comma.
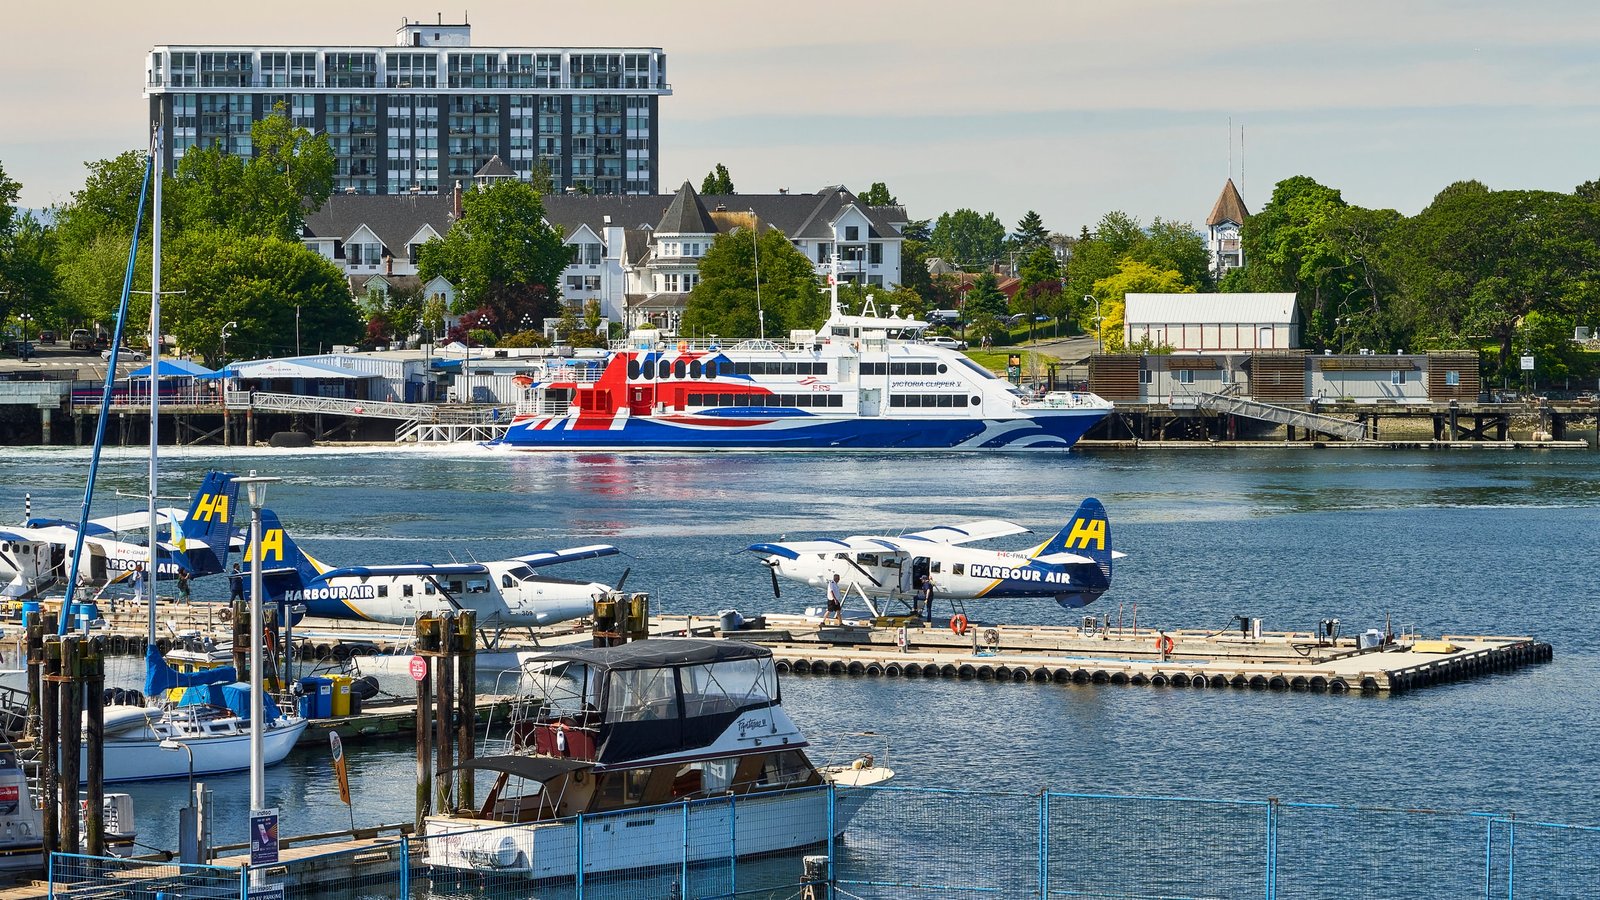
[[1281, 415]]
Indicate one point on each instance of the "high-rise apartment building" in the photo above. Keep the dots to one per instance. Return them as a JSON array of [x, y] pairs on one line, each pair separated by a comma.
[[429, 111]]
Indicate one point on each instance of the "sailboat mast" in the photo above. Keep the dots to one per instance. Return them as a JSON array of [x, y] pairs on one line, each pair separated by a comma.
[[155, 383]]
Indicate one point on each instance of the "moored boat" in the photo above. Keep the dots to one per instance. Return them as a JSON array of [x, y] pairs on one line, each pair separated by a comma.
[[626, 745]]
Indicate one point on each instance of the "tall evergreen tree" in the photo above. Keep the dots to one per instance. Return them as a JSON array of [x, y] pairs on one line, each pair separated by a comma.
[[1031, 233], [717, 181]]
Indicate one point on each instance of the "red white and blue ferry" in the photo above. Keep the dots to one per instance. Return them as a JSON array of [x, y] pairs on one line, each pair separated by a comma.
[[863, 382]]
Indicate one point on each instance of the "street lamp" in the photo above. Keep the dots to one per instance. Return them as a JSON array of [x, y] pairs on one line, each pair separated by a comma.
[[256, 488], [1099, 331], [170, 744], [225, 332]]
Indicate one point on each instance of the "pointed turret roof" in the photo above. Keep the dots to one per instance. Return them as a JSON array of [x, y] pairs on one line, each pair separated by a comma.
[[1229, 208], [494, 168], [686, 215]]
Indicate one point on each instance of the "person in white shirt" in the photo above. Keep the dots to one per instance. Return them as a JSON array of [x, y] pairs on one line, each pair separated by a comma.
[[835, 609]]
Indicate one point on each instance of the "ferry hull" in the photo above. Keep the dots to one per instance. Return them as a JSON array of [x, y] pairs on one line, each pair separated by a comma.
[[1047, 430], [643, 838]]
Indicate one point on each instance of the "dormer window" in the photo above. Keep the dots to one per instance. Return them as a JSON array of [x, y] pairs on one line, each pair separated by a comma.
[[852, 232]]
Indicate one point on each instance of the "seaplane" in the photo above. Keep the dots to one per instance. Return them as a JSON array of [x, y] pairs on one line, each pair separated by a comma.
[[1073, 567], [508, 593], [38, 553]]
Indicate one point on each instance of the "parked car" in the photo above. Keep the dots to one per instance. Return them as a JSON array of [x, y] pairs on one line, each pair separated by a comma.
[[47, 337], [22, 350], [81, 339], [124, 354], [949, 343]]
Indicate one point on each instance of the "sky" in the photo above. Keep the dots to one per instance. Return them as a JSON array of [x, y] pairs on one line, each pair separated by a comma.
[[1066, 107]]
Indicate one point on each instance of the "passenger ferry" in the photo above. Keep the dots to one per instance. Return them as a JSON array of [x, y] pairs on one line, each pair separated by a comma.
[[621, 753], [864, 382]]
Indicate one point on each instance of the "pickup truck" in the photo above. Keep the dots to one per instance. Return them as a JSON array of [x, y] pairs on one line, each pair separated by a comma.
[[81, 339]]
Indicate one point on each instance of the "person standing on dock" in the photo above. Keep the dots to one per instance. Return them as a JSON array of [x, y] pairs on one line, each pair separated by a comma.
[[138, 585], [835, 609], [924, 605], [236, 584], [183, 586]]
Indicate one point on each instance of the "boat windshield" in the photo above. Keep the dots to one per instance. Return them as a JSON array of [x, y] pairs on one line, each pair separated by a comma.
[[980, 370], [730, 686], [569, 689]]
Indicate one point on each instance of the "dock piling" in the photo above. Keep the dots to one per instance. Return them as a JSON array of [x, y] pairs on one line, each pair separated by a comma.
[[92, 663], [50, 735], [466, 704], [70, 686]]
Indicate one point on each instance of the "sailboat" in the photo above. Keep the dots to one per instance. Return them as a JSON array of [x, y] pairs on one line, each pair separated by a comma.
[[212, 717]]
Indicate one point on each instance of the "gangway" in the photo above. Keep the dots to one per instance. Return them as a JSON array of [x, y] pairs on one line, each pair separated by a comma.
[[1281, 415], [422, 423]]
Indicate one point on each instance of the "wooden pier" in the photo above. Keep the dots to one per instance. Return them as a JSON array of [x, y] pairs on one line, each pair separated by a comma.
[[1278, 661]]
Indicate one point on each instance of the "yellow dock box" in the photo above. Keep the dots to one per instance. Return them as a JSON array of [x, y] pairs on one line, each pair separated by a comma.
[[1434, 647], [341, 694]]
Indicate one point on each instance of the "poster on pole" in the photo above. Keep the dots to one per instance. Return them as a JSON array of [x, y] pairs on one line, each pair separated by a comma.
[[263, 837], [1527, 364]]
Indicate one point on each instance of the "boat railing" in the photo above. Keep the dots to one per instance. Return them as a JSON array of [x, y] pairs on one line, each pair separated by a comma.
[[1065, 400], [666, 344]]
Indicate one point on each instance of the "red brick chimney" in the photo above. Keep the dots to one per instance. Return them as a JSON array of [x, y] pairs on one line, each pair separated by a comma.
[[455, 201]]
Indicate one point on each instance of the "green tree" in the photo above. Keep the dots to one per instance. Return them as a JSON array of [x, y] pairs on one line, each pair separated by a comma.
[[878, 195], [501, 254], [1031, 233], [1287, 247], [267, 193], [984, 298], [1177, 246], [256, 281], [724, 302], [968, 238], [89, 280], [1040, 293], [1097, 255], [717, 181], [27, 272], [1367, 314], [1131, 277]]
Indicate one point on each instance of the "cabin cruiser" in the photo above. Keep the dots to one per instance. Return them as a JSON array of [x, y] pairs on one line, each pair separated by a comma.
[[625, 745], [22, 822]]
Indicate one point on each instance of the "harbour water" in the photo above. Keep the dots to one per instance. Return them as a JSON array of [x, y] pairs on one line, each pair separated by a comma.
[[1465, 542]]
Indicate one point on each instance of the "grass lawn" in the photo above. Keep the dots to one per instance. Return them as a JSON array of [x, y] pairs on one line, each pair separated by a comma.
[[995, 360]]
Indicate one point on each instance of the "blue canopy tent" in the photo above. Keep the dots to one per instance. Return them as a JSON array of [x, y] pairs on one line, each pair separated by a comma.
[[174, 368]]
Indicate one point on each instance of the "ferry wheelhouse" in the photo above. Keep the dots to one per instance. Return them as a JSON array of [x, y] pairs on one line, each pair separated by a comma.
[[864, 382], [620, 737]]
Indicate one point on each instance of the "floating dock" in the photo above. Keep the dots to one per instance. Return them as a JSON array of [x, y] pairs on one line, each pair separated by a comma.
[[1279, 661]]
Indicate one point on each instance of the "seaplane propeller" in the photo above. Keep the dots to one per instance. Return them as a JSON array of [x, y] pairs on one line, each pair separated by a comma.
[[772, 569], [623, 580]]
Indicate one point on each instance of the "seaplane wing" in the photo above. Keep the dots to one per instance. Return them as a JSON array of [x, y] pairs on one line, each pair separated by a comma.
[[551, 557], [424, 569], [967, 532], [138, 522], [856, 544], [94, 528]]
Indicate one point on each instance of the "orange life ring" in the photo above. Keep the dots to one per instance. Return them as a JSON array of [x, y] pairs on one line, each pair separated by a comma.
[[958, 623], [1164, 644]]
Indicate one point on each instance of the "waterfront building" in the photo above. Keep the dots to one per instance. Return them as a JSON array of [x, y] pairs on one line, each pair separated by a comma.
[[1211, 323], [1222, 231], [638, 256], [430, 110], [1288, 376]]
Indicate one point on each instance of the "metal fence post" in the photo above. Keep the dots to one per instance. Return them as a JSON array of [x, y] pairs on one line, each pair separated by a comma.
[[1272, 848], [683, 868], [579, 826], [244, 883], [833, 874], [50, 874], [1488, 855], [1044, 845], [1511, 856], [405, 862], [733, 847]]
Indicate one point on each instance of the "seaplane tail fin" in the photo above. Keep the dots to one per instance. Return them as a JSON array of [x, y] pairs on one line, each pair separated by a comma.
[[284, 566], [1087, 534], [204, 532]]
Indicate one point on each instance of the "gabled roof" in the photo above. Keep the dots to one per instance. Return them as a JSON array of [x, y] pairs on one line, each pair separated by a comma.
[[394, 218], [685, 215], [798, 216], [494, 168], [1229, 207]]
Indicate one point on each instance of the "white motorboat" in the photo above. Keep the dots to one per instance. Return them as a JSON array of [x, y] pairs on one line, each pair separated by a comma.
[[147, 743], [629, 744], [22, 826]]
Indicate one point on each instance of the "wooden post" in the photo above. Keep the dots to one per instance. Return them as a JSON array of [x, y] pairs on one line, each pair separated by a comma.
[[444, 730], [466, 704], [424, 731], [94, 685], [70, 728], [50, 736], [35, 669], [241, 637]]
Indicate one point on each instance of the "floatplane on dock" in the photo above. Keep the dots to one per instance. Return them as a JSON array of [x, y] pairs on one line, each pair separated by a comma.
[[618, 739]]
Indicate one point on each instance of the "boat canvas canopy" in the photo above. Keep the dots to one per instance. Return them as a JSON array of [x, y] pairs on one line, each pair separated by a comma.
[[160, 677], [659, 653]]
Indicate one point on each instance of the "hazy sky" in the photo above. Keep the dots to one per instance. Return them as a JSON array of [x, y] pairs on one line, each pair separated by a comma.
[[1070, 108]]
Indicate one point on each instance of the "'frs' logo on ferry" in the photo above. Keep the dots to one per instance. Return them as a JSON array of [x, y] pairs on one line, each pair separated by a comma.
[[814, 384], [332, 592]]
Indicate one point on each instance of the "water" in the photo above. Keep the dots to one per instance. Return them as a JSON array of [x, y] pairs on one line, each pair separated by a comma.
[[1462, 542]]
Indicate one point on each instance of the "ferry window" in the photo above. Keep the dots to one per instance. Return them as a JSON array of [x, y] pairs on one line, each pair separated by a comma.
[[946, 400], [383, 590], [897, 368], [958, 568], [942, 369], [789, 369], [647, 371], [696, 369], [680, 369], [836, 400], [976, 400], [960, 399], [633, 368], [694, 400], [405, 590], [711, 370], [897, 400], [741, 368], [665, 368], [787, 400]]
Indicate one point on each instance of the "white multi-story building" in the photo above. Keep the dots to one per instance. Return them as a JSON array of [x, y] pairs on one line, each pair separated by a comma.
[[433, 109]]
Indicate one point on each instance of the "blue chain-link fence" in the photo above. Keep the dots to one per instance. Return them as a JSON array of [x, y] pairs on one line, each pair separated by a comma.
[[909, 843]]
